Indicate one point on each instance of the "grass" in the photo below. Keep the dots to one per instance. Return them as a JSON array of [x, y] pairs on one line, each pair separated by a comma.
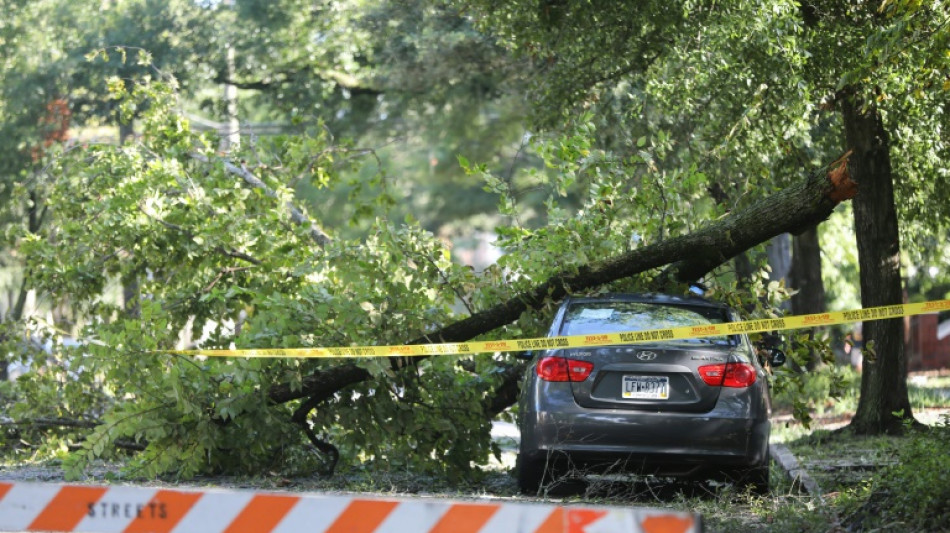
[[881, 483]]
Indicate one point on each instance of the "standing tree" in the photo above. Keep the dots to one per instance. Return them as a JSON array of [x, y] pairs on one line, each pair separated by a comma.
[[885, 89], [757, 82]]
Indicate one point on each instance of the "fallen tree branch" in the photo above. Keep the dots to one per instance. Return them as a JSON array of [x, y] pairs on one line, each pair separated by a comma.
[[687, 258], [61, 422], [791, 210], [317, 234], [230, 252], [506, 392], [55, 422], [323, 383], [330, 452]]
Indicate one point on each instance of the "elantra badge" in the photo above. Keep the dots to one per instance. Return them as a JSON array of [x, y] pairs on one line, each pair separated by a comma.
[[646, 356]]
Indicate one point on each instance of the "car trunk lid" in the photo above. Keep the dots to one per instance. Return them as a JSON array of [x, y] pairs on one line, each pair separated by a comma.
[[648, 377]]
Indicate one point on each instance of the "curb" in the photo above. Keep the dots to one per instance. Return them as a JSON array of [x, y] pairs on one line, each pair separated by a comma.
[[783, 456], [107, 509]]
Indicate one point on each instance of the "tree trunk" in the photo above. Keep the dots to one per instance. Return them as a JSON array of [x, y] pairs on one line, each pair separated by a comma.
[[884, 374], [779, 253], [805, 277], [126, 132], [130, 295], [742, 263], [687, 258], [805, 274], [35, 218], [130, 283], [231, 139]]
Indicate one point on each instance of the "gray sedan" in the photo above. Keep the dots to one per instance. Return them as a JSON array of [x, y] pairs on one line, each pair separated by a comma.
[[687, 408]]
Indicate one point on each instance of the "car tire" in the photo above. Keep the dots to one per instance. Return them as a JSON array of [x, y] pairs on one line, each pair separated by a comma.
[[529, 473], [757, 480], [550, 473], [754, 479]]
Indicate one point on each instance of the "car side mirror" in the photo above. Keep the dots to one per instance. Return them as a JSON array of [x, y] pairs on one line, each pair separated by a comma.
[[777, 357]]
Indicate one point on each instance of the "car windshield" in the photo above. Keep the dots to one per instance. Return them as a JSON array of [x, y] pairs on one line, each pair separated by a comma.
[[613, 317]]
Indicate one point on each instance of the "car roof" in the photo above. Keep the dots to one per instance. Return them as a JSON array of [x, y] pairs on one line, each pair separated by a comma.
[[646, 297]]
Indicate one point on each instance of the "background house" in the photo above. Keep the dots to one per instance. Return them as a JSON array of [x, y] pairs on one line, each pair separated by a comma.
[[928, 343]]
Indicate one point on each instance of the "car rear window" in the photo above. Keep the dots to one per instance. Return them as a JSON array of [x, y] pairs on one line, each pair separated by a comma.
[[613, 317]]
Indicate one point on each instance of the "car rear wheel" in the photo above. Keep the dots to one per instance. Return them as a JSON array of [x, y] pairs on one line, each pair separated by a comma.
[[754, 479], [757, 480], [552, 473], [529, 473]]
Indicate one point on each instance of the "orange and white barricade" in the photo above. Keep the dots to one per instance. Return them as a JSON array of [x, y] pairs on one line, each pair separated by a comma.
[[106, 509]]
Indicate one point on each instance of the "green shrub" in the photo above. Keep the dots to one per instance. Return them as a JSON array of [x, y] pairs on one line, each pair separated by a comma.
[[915, 491]]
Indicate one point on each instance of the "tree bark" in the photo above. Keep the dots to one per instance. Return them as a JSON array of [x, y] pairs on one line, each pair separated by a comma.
[[687, 258], [321, 384], [884, 369]]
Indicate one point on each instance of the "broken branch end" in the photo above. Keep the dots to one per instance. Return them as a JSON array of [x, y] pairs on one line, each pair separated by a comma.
[[844, 188]]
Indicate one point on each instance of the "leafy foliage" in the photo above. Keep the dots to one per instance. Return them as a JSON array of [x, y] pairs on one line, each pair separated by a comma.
[[224, 261], [202, 256], [651, 118]]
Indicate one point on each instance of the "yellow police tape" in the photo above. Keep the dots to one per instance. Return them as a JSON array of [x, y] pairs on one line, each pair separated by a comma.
[[577, 341]]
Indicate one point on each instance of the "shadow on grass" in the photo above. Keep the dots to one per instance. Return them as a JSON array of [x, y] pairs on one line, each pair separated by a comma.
[[631, 489]]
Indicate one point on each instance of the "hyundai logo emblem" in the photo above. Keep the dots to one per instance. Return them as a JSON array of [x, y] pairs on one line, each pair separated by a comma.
[[646, 356]]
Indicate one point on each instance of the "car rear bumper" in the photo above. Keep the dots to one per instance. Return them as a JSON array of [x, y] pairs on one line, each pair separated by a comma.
[[732, 435]]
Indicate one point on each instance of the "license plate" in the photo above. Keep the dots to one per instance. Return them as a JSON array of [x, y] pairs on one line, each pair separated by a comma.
[[646, 387]]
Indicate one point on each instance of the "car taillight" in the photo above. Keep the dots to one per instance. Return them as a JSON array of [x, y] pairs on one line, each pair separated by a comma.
[[736, 375], [561, 369]]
